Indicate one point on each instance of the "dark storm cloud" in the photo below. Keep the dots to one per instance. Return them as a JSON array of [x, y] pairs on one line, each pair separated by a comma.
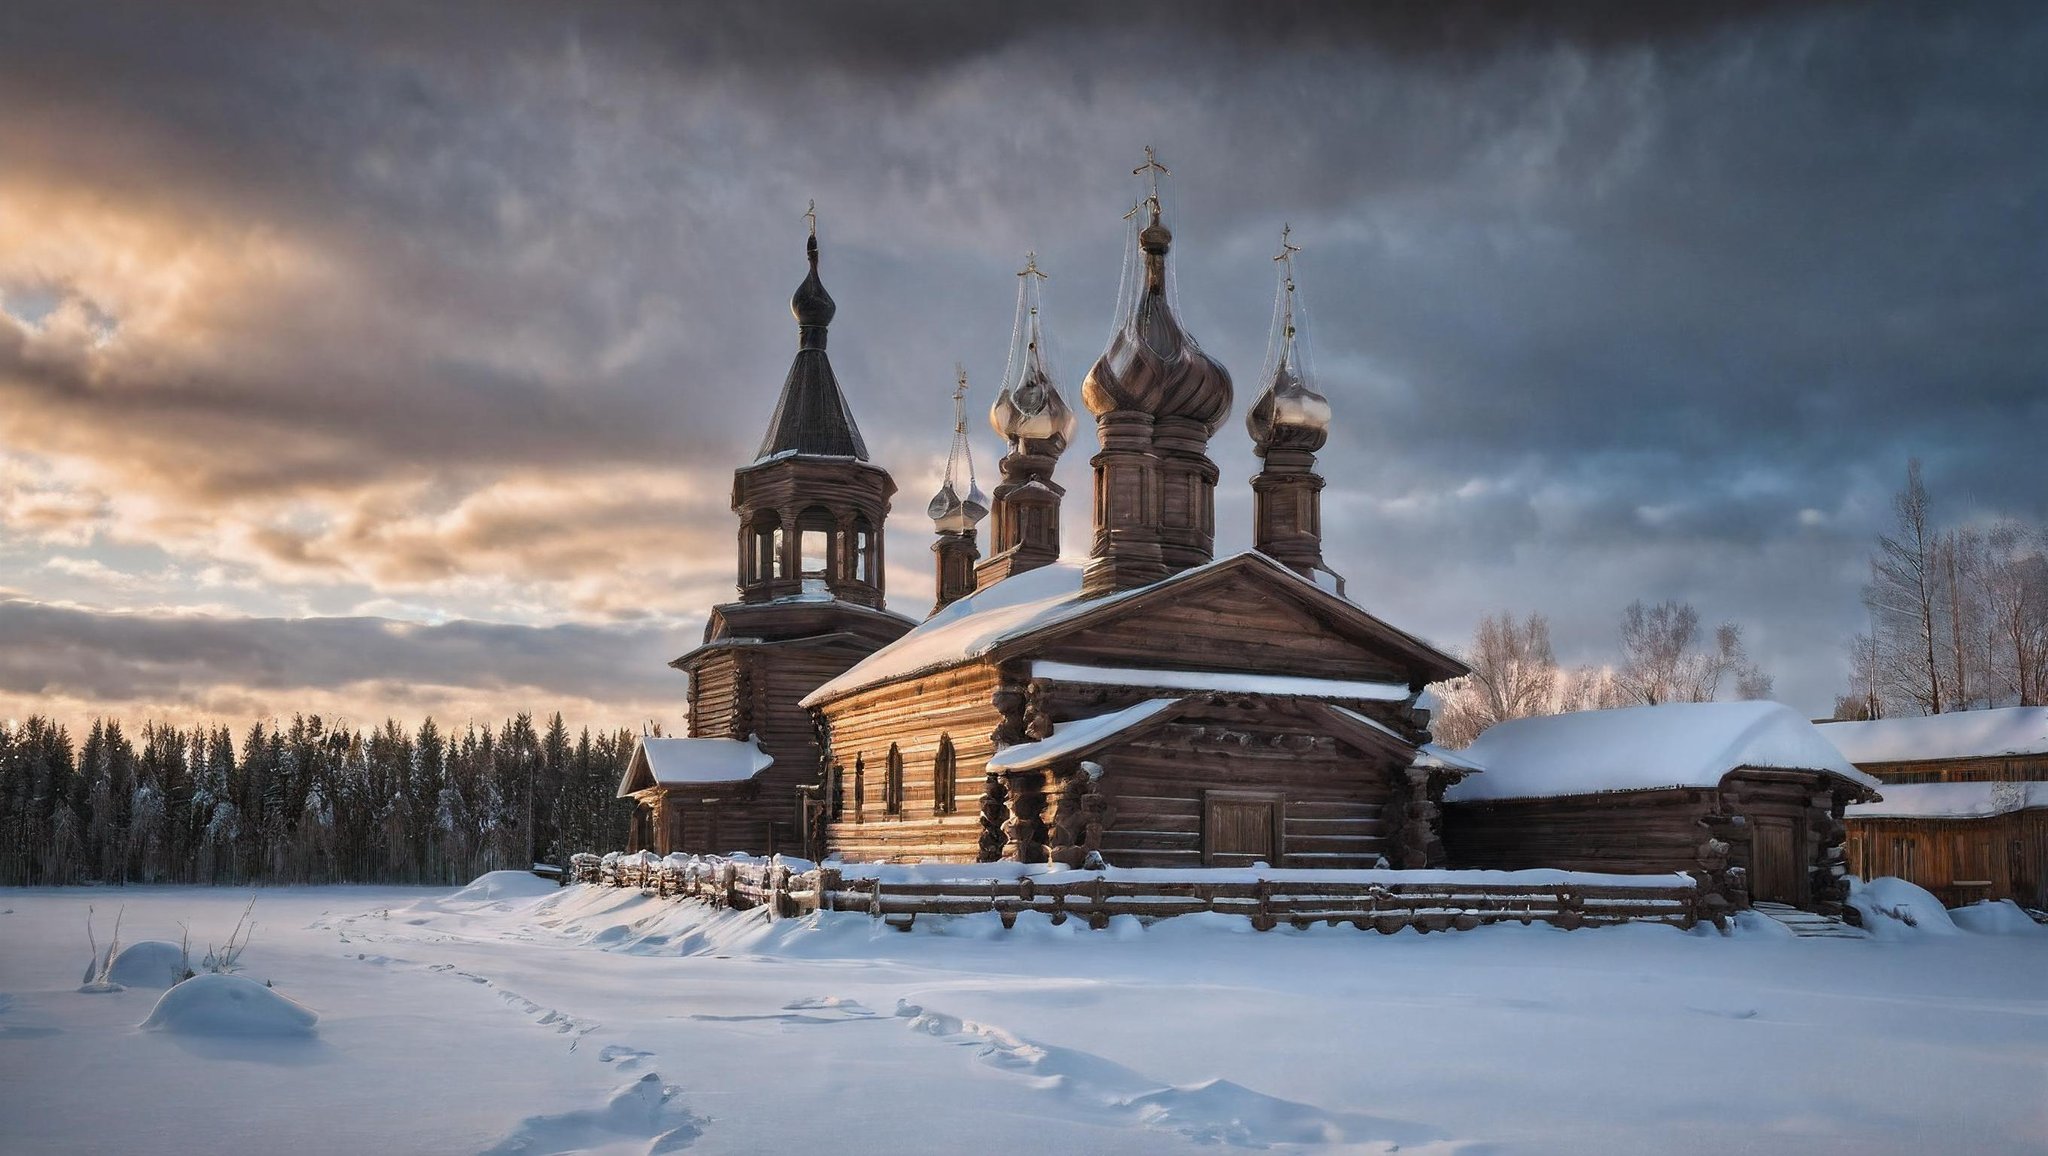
[[1613, 301], [111, 658]]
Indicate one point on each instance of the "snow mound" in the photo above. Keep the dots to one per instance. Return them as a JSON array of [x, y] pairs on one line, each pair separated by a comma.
[[229, 1005], [1890, 907], [646, 1110], [1995, 917], [150, 963], [493, 886]]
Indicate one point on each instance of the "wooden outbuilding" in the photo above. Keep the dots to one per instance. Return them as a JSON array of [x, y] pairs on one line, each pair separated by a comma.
[[1747, 797], [1968, 746], [1963, 841]]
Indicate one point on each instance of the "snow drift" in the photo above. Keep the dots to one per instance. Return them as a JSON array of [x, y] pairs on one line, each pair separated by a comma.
[[229, 1005]]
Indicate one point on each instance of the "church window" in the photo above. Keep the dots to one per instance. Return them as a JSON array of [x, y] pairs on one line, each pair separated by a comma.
[[892, 783], [860, 789], [943, 777], [764, 548], [834, 783]]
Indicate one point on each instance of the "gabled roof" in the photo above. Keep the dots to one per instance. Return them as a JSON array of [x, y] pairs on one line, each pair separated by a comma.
[[659, 762], [1028, 610], [1965, 734], [1081, 736], [1952, 800], [1645, 748]]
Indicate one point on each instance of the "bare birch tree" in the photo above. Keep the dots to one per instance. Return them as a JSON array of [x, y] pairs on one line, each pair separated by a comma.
[[1665, 657], [1902, 597]]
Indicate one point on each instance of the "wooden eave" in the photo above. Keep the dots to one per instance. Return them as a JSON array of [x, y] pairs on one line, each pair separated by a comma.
[[837, 640]]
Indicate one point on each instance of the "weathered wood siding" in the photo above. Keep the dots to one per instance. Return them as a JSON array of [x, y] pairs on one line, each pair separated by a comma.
[[1960, 860], [1633, 832], [914, 716], [1231, 626], [1332, 797], [1709, 832], [2005, 768]]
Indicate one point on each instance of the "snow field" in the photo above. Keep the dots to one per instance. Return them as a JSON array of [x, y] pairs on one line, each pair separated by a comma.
[[510, 1017]]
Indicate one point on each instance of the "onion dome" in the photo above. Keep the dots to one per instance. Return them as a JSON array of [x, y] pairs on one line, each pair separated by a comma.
[[810, 303], [1287, 414], [1152, 365], [957, 509], [1030, 407]]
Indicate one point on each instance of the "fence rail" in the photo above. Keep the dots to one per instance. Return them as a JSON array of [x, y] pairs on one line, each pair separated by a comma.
[[1429, 905]]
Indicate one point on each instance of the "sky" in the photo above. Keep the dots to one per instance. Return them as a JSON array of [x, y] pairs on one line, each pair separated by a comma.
[[385, 360]]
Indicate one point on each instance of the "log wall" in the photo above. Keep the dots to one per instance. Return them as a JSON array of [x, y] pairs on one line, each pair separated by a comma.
[[913, 716]]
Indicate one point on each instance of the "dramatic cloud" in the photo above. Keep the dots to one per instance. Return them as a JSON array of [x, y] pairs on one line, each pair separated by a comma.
[[467, 312]]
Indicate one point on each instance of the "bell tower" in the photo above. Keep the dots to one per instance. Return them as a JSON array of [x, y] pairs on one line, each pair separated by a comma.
[[811, 505]]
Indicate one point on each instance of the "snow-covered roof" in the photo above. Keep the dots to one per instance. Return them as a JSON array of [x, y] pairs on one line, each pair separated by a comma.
[[1076, 737], [680, 762], [1644, 748], [1952, 800], [1037, 600], [1279, 684], [2012, 730]]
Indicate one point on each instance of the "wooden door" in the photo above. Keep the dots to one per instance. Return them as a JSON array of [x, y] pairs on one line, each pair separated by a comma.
[[1775, 872], [1240, 828]]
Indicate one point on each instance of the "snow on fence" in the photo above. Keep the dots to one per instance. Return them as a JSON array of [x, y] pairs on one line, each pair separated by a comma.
[[1383, 901]]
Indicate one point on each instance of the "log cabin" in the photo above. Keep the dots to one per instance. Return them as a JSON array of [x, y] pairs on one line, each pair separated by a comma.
[[1963, 841], [1970, 746], [1153, 706], [1746, 797], [1965, 809]]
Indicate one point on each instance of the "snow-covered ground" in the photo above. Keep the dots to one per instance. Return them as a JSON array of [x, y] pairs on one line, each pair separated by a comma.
[[513, 1017]]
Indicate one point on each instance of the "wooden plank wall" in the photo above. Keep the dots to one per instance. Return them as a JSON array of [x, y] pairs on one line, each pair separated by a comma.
[[914, 715], [2009, 852], [1333, 794], [1234, 626], [2009, 769]]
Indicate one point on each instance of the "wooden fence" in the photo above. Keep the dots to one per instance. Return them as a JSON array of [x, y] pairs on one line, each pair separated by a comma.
[[1429, 905]]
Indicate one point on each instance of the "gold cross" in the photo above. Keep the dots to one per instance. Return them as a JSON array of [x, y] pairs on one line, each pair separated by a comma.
[[1152, 166], [1287, 249], [811, 215], [1031, 267], [960, 391]]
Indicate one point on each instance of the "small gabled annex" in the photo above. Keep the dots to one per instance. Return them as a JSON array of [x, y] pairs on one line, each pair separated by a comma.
[[1745, 796]]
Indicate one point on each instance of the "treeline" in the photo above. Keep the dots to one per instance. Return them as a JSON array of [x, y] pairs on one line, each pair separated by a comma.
[[1958, 615], [1666, 655], [303, 802]]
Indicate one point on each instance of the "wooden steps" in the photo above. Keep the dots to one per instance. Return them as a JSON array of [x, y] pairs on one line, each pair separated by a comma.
[[1808, 925]]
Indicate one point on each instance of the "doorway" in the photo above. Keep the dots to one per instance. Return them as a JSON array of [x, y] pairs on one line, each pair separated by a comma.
[[1240, 828], [1776, 869]]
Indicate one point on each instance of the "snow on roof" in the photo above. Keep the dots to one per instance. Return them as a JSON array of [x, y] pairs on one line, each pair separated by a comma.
[[1644, 748], [969, 627], [1076, 737], [1019, 605], [1435, 756], [1280, 684], [677, 762], [2012, 730], [1952, 800]]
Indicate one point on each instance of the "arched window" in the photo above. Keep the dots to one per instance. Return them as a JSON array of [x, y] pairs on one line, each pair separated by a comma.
[[815, 547], [892, 783], [860, 788], [943, 777]]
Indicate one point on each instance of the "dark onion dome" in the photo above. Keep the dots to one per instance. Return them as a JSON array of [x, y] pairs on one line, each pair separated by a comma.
[[1152, 365], [1030, 408], [810, 303], [812, 416]]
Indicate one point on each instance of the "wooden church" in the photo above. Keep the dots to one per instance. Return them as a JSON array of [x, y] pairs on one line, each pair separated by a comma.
[[1155, 705]]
